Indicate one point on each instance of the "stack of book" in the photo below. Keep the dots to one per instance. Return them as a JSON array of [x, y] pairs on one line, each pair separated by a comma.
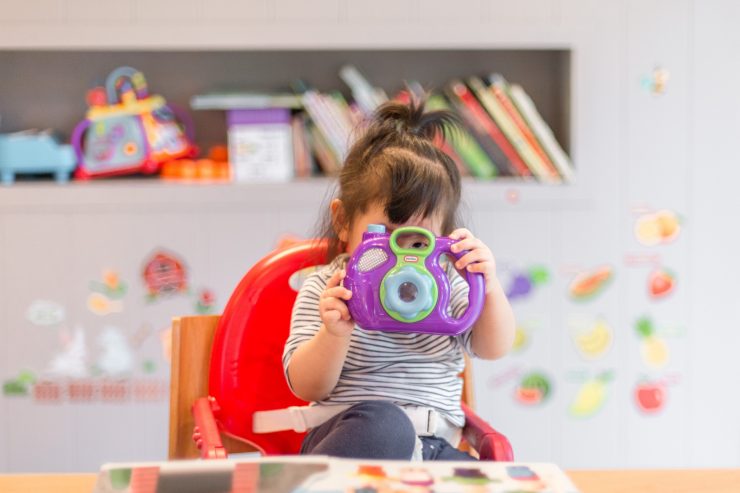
[[285, 136]]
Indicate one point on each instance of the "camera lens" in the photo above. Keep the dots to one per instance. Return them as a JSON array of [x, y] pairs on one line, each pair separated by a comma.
[[407, 291]]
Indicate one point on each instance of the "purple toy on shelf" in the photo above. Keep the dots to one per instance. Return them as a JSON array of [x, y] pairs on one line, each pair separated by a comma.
[[402, 289]]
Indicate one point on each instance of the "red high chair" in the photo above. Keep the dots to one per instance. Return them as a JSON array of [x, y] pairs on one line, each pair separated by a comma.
[[229, 367]]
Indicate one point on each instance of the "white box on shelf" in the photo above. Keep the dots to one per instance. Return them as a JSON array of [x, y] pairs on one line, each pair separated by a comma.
[[260, 144]]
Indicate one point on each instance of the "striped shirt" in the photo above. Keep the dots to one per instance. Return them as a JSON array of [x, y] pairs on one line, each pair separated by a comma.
[[404, 368]]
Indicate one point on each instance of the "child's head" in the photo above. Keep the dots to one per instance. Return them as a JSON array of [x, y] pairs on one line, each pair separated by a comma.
[[395, 175]]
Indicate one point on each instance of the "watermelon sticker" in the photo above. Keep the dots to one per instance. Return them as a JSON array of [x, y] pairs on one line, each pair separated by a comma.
[[589, 284], [534, 389]]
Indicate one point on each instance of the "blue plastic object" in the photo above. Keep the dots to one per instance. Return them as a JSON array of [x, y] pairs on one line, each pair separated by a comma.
[[31, 153]]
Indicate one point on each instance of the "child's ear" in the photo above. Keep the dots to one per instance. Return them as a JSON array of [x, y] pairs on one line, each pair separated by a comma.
[[339, 220]]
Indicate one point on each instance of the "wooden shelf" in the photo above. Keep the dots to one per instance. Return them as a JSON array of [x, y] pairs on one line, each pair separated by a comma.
[[153, 194], [47, 89]]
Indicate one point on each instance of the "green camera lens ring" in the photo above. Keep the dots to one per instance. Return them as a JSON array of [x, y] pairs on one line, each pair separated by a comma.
[[421, 252]]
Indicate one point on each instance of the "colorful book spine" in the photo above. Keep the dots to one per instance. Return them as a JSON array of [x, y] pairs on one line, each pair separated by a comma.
[[471, 154], [322, 110], [489, 134], [325, 157], [525, 106], [500, 89], [301, 150], [502, 119], [365, 94]]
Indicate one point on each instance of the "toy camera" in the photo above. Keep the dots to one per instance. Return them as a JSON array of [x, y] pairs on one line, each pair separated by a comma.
[[403, 289], [127, 130]]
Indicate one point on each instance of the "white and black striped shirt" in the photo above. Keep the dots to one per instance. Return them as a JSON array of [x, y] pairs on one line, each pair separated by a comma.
[[407, 369]]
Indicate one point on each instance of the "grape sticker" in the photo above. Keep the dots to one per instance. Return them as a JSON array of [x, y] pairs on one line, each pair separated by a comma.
[[533, 390], [524, 282], [589, 284]]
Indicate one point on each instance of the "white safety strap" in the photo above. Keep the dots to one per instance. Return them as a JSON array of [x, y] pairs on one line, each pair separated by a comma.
[[426, 421]]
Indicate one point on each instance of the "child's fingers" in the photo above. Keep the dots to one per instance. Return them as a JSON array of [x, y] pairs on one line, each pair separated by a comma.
[[479, 267], [331, 317], [332, 303], [340, 307], [337, 292], [461, 233], [471, 257], [466, 244], [335, 279]]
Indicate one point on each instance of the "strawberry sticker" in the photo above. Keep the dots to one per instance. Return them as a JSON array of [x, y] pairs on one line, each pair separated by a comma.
[[661, 283]]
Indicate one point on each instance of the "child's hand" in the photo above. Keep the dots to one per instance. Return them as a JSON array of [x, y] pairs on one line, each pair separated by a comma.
[[333, 309], [478, 259]]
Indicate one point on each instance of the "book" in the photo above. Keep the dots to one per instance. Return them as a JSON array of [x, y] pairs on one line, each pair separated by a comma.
[[367, 96], [471, 154], [486, 131], [327, 161], [500, 88], [504, 121], [331, 119], [541, 130], [260, 144], [244, 100], [313, 474], [301, 149]]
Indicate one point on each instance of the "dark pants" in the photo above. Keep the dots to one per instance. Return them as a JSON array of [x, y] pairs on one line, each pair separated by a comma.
[[375, 430]]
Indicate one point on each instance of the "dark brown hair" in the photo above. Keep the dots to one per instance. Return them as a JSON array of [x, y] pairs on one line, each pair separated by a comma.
[[396, 163]]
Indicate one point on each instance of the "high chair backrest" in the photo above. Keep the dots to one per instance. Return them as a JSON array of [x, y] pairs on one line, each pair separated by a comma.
[[246, 371]]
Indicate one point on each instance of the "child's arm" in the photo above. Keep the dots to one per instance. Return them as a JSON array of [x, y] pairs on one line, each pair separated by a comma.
[[316, 364], [493, 334]]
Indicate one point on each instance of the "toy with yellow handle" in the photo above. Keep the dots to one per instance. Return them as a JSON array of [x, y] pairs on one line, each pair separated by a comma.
[[128, 131]]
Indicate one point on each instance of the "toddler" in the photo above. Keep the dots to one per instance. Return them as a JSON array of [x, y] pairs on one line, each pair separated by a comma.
[[391, 395]]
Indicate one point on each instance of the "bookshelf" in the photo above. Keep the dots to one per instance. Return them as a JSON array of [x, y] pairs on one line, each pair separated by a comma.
[[58, 99]]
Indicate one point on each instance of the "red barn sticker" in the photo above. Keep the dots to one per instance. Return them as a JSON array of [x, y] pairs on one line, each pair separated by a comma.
[[165, 274]]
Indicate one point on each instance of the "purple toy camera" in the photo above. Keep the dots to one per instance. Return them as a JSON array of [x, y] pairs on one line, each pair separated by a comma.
[[403, 289]]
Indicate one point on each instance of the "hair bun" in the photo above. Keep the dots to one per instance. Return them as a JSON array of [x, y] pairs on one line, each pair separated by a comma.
[[410, 117]]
